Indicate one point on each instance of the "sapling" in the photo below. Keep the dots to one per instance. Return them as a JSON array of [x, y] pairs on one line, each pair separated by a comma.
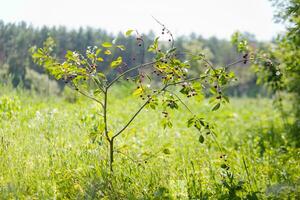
[[157, 82]]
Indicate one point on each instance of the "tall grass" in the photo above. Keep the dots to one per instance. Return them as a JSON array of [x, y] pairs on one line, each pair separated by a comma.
[[48, 150]]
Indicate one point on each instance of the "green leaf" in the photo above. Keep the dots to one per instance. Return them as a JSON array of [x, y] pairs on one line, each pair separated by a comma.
[[201, 139], [116, 62], [100, 59], [224, 166], [155, 43], [98, 51], [97, 91], [101, 75], [107, 44], [190, 122], [172, 50], [167, 151], [121, 47], [216, 107], [97, 81], [226, 98], [107, 52], [138, 91], [128, 32], [114, 41]]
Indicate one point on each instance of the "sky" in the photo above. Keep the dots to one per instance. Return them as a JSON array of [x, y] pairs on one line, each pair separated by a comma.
[[208, 18]]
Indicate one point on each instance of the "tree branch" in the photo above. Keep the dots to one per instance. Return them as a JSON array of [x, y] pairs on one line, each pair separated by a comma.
[[88, 96], [146, 102], [129, 70], [181, 101], [132, 118], [236, 62]]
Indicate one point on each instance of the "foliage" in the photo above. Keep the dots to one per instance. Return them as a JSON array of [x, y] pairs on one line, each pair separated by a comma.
[[278, 65], [17, 38], [287, 53], [9, 107], [83, 73]]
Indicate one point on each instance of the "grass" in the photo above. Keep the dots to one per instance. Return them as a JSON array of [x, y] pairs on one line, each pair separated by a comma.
[[49, 150]]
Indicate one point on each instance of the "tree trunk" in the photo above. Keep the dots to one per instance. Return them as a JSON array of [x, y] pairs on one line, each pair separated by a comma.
[[111, 154]]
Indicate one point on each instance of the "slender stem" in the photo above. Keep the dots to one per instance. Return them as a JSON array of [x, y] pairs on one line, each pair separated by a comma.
[[168, 30], [99, 86], [132, 118], [146, 102], [236, 62], [211, 65], [105, 116], [183, 81], [111, 154], [110, 140], [88, 96], [130, 158], [184, 104], [247, 172]]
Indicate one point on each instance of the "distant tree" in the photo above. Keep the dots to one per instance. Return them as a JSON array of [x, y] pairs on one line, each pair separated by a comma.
[[287, 53]]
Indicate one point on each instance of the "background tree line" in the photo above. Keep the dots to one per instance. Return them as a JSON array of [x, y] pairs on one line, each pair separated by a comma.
[[16, 65]]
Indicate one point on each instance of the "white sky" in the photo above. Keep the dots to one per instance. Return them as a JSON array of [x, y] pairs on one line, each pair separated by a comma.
[[206, 17]]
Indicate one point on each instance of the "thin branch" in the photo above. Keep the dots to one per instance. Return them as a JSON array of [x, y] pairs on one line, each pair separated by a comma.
[[184, 104], [211, 65], [99, 86], [88, 96], [130, 158], [132, 118], [183, 81], [236, 62], [168, 31], [129, 70]]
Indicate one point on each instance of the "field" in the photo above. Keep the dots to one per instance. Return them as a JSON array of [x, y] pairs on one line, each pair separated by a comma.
[[49, 150]]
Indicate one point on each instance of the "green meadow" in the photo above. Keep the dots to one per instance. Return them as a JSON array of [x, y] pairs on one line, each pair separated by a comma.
[[49, 149]]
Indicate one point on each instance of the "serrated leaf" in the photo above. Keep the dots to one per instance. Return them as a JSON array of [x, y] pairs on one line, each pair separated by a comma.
[[107, 44], [201, 139], [216, 107], [128, 32]]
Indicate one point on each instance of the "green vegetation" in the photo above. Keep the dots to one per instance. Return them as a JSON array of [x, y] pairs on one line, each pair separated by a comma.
[[158, 82], [134, 116], [16, 62], [49, 150]]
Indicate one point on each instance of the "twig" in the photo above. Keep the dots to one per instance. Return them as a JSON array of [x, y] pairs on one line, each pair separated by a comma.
[[132, 118], [168, 31], [88, 96], [129, 70], [184, 104], [236, 62]]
